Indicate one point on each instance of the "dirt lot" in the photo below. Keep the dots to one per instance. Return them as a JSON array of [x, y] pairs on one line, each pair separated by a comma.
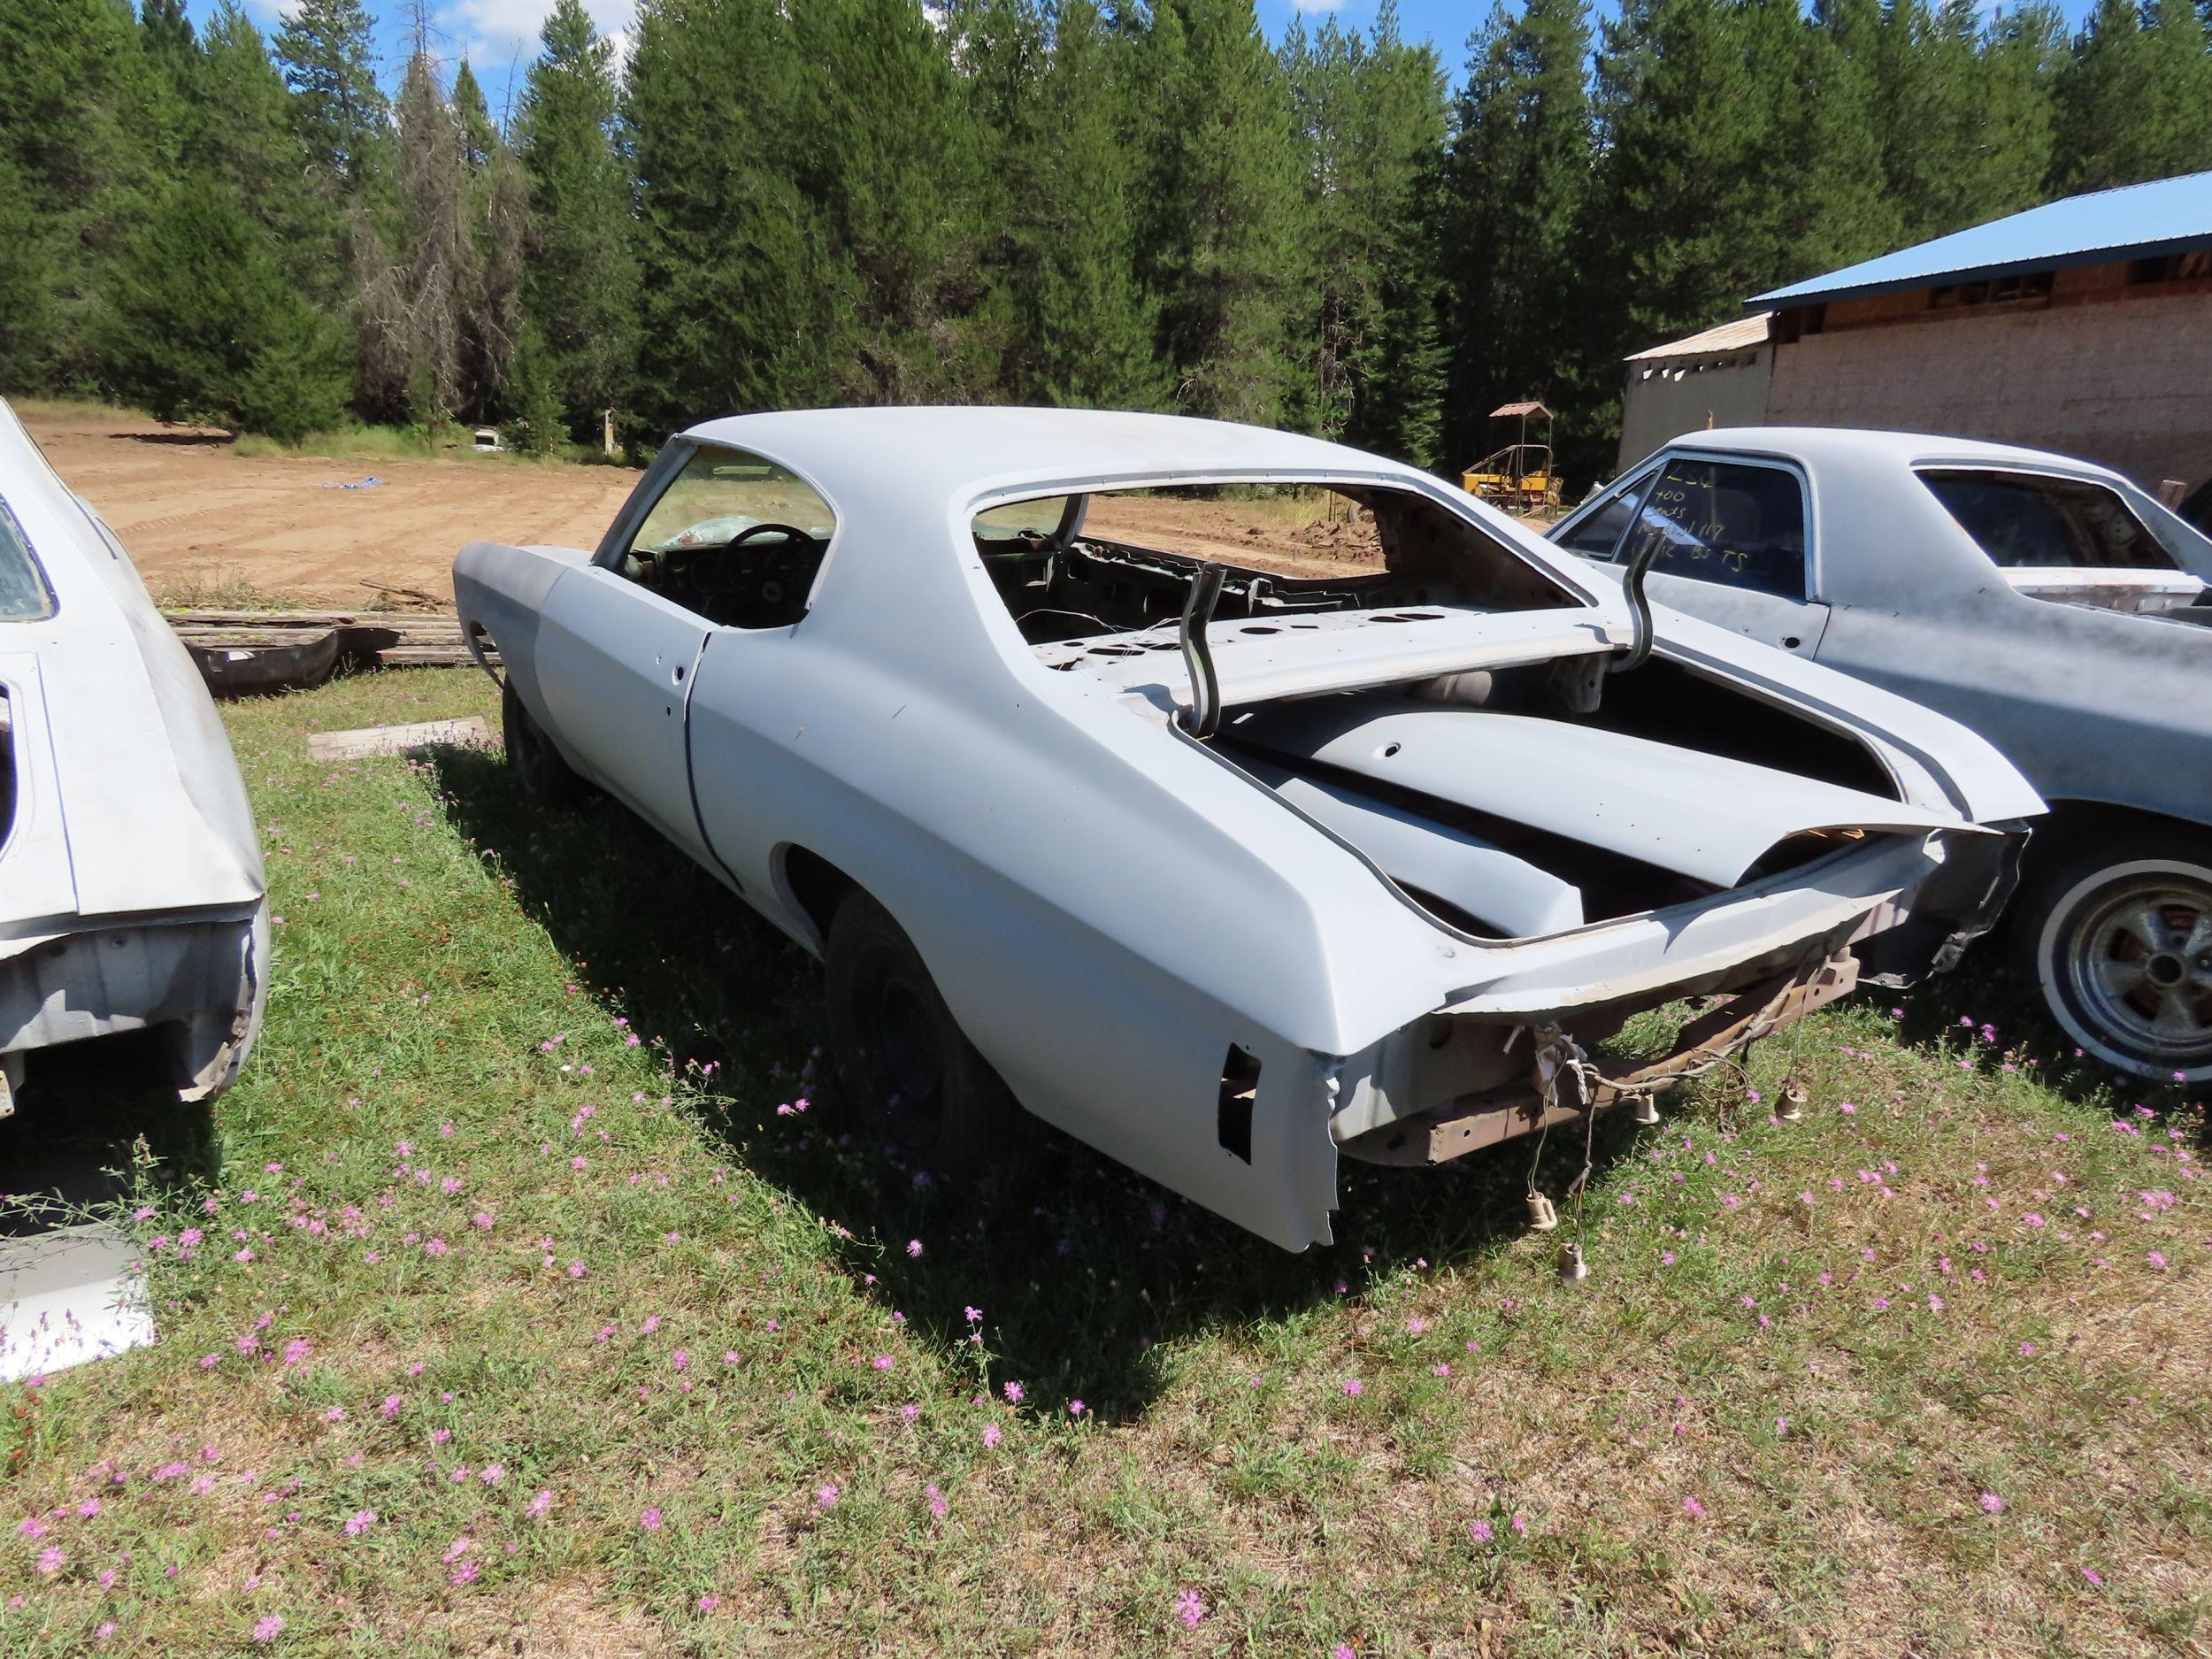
[[196, 518], [205, 523]]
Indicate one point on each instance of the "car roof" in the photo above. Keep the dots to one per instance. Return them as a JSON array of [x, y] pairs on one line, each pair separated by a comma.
[[940, 453], [1851, 443]]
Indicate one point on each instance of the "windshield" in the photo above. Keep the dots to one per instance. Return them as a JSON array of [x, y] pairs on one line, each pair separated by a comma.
[[24, 594]]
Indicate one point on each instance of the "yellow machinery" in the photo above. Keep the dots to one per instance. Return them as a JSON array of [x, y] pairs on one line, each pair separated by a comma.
[[1519, 477]]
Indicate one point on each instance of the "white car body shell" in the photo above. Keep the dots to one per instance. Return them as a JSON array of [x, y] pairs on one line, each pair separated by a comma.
[[1105, 902], [131, 887]]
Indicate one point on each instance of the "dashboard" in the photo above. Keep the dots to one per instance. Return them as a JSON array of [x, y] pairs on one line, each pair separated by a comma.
[[760, 581]]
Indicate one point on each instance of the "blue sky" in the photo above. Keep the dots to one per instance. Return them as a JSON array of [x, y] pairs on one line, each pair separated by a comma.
[[500, 36]]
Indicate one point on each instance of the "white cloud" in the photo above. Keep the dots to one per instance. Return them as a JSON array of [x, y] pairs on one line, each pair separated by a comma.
[[1316, 5], [502, 25]]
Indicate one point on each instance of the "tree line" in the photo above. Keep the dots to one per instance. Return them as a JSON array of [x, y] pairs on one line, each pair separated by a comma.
[[1070, 202]]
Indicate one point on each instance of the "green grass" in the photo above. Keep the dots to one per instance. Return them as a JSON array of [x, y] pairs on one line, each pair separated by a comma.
[[470, 990]]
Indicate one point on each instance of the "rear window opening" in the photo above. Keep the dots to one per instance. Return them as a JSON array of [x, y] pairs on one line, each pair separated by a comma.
[[1074, 568], [2038, 521]]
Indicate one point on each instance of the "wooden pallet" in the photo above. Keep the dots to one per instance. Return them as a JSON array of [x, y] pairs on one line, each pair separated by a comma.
[[250, 650]]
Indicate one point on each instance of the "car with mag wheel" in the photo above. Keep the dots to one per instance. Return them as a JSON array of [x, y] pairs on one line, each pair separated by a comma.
[[2050, 603]]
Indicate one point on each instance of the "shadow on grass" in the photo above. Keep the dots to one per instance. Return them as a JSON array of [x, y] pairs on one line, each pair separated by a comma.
[[1083, 1272], [1988, 1012], [84, 1112]]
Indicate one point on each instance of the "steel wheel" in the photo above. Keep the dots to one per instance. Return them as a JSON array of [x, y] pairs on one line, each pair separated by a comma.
[[2124, 953]]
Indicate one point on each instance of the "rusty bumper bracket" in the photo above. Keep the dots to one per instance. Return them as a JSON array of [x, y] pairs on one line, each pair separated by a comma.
[[1475, 1121]]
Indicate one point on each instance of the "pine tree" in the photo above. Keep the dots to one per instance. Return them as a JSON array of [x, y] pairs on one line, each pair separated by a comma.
[[2178, 80], [200, 320], [341, 116], [1371, 117], [898, 197], [1221, 243], [73, 83], [1829, 129], [1688, 204], [580, 283], [742, 303], [1084, 326], [497, 207], [27, 281], [240, 130], [2135, 99], [414, 309], [2020, 54], [1516, 186]]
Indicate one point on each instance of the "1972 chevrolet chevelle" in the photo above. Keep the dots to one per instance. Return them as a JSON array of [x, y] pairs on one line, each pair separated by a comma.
[[1224, 870], [2046, 602]]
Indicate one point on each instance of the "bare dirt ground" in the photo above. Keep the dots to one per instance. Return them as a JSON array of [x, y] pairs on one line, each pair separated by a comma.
[[204, 523], [197, 518]]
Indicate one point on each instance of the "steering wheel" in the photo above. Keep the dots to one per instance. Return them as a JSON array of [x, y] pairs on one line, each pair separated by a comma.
[[750, 531]]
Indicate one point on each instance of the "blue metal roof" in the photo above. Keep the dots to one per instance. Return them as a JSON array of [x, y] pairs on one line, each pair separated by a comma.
[[2138, 221]]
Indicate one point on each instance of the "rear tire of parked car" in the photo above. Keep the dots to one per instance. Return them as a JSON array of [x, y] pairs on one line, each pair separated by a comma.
[[540, 769], [905, 1073], [2117, 935]]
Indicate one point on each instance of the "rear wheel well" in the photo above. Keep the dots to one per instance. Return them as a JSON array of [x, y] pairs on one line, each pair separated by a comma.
[[2071, 823], [817, 887]]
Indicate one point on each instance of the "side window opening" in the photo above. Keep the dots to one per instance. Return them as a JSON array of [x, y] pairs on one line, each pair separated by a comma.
[[1598, 534], [735, 538], [24, 594], [2036, 521], [1733, 523], [1117, 562]]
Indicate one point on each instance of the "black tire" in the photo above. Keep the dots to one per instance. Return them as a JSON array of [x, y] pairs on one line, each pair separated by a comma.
[[906, 1076], [540, 771], [2117, 934]]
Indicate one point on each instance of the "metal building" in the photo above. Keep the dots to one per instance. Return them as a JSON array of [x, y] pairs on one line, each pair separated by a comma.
[[2082, 325]]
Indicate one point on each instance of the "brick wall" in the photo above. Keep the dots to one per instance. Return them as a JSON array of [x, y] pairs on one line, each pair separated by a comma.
[[2121, 379]]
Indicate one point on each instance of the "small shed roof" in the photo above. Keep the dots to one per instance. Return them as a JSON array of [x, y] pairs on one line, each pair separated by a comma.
[[2138, 221], [1529, 408], [1739, 333]]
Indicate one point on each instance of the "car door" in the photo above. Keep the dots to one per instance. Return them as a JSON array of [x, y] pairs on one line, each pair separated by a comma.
[[1727, 537], [615, 667]]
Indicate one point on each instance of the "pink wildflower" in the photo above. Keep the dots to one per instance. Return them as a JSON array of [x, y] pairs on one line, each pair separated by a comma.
[[1190, 1609], [266, 1630]]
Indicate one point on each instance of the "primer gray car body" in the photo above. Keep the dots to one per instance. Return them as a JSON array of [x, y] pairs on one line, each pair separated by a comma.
[[2095, 681], [131, 891], [1115, 909]]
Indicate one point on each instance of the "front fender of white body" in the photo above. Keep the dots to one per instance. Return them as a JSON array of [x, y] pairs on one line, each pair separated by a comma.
[[502, 590]]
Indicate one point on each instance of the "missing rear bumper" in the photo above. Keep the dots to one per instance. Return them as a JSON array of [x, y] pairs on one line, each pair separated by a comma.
[[1475, 1121]]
